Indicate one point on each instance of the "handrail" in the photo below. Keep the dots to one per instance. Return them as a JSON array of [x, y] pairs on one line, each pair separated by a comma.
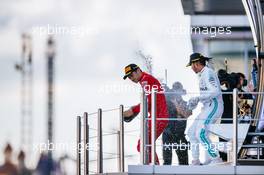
[[100, 143], [235, 127], [78, 146], [86, 142], [143, 129], [153, 126], [121, 140], [146, 146]]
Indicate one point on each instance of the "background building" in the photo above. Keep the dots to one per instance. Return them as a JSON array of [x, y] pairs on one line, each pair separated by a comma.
[[220, 29]]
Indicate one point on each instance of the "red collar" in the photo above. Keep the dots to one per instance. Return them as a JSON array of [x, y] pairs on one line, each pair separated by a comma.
[[143, 75]]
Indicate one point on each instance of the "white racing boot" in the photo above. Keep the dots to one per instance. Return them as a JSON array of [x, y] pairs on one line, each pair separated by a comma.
[[196, 162], [214, 161]]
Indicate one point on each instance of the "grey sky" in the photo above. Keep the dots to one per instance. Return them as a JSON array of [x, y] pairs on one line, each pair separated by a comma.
[[84, 64]]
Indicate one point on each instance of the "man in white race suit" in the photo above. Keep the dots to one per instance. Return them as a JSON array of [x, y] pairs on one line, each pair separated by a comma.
[[212, 110]]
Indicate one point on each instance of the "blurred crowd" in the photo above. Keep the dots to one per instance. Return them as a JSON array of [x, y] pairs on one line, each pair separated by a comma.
[[45, 165]]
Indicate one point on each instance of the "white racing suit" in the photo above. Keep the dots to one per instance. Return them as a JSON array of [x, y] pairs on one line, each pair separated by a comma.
[[211, 98]]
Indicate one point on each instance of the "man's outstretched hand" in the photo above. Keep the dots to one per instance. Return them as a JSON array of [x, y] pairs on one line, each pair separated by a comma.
[[193, 102], [129, 115]]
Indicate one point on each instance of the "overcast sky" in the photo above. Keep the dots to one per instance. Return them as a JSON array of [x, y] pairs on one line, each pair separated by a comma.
[[87, 62]]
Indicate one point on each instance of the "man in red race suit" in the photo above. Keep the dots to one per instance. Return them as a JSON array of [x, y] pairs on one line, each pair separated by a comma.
[[147, 82]]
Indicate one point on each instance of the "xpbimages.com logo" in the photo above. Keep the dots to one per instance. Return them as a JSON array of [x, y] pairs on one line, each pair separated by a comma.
[[210, 31], [56, 29], [81, 147], [56, 146], [117, 88], [213, 147]]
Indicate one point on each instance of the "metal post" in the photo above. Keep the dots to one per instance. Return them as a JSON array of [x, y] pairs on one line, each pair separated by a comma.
[[50, 78], [258, 149], [100, 143], [23, 91], [246, 60], [78, 167], [86, 143], [121, 140], [30, 97], [88, 147], [118, 152], [153, 126], [143, 111], [235, 126], [259, 101], [146, 133]]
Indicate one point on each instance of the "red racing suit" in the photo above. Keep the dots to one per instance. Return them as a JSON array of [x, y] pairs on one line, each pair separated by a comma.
[[148, 82]]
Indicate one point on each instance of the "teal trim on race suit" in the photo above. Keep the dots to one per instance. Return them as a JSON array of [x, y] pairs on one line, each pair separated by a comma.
[[202, 133]]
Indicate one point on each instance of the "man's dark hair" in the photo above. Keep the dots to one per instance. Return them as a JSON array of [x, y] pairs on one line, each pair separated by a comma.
[[241, 75], [234, 80]]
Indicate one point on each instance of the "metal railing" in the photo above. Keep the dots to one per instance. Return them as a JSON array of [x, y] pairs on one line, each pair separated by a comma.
[[83, 135], [154, 118], [235, 127], [83, 142]]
